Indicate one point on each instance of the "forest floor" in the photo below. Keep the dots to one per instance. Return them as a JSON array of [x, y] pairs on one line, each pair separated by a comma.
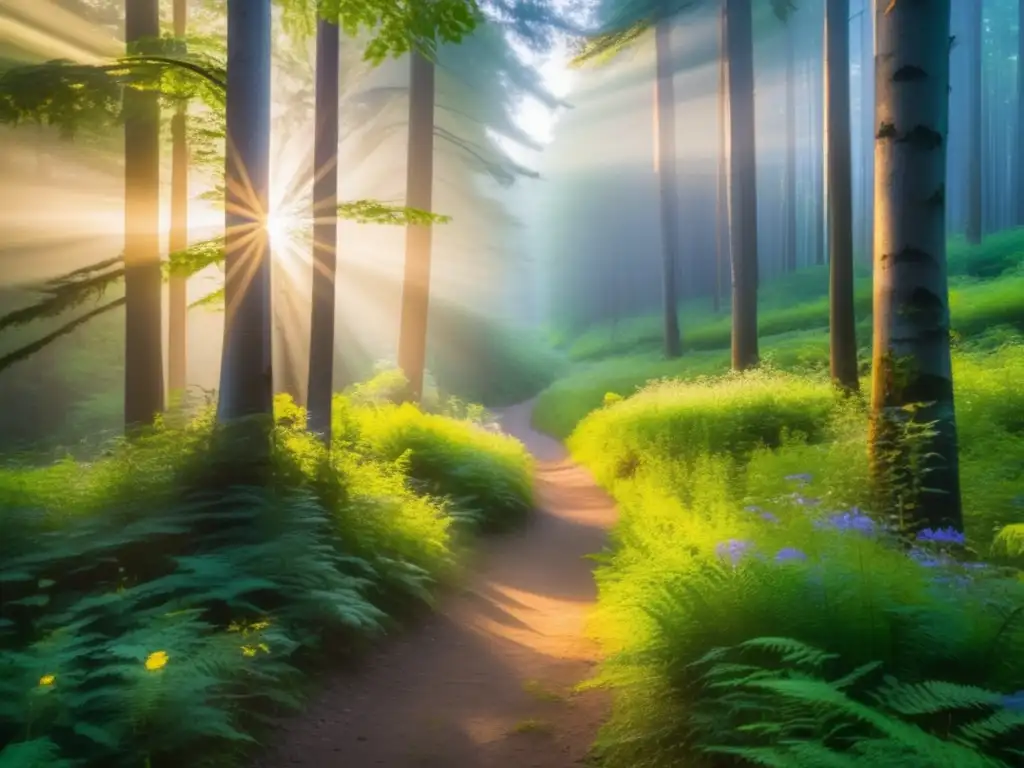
[[488, 681]]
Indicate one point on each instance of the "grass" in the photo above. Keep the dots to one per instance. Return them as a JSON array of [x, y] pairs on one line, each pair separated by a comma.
[[754, 610], [149, 617]]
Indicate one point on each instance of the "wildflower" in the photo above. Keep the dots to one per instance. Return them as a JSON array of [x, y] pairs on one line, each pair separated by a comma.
[[948, 536], [47, 680], [156, 660], [852, 520], [733, 550], [789, 555], [928, 559], [1014, 701], [761, 512], [802, 478]]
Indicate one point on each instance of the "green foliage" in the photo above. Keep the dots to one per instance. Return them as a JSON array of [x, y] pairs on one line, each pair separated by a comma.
[[376, 212], [149, 615], [793, 325], [741, 521], [396, 28], [751, 611], [783, 711]]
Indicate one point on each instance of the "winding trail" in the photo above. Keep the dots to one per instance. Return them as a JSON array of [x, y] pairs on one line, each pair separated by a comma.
[[487, 681]]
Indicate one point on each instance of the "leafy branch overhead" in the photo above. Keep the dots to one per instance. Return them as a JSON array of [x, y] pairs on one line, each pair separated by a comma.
[[397, 28], [630, 20], [72, 96]]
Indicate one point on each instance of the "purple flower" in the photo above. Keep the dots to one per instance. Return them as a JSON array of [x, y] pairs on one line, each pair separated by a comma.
[[734, 550], [761, 512], [948, 536], [853, 520], [1014, 701], [927, 559], [802, 478], [789, 554]]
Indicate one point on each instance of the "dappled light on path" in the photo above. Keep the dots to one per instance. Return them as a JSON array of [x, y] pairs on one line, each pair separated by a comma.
[[489, 681]]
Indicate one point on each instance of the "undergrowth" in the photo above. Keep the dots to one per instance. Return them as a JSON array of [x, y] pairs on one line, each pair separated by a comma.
[[149, 616], [754, 609], [743, 519]]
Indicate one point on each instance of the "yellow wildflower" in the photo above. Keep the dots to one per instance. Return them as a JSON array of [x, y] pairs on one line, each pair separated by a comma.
[[156, 660], [47, 680]]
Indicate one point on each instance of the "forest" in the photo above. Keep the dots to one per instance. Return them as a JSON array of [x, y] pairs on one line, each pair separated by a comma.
[[501, 383]]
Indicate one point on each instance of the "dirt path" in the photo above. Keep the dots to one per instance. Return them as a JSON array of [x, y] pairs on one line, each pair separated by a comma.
[[487, 682]]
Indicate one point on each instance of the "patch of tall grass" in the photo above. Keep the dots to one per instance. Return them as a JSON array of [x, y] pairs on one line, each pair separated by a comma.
[[151, 616]]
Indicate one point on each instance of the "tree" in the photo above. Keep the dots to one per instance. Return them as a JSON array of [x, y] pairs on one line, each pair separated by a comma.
[[325, 231], [739, 50], [412, 335], [974, 155], [177, 297], [246, 377], [789, 240], [143, 365], [668, 183], [842, 321], [723, 249], [912, 382], [1019, 218]]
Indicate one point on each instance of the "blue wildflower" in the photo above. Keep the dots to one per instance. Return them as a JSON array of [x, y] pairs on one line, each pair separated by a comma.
[[949, 536], [852, 520], [926, 558], [1014, 701], [733, 550], [802, 478], [789, 554]]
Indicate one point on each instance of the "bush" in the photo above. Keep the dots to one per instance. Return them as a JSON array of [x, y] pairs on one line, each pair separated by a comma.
[[151, 617]]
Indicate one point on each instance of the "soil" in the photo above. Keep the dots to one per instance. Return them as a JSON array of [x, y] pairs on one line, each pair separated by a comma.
[[488, 681]]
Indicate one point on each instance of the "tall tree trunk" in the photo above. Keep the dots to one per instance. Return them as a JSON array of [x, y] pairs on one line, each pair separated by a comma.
[[1019, 149], [668, 184], [742, 182], [974, 155], [842, 323], [143, 349], [325, 231], [723, 266], [177, 299], [912, 381], [789, 253], [246, 376], [412, 339], [867, 128]]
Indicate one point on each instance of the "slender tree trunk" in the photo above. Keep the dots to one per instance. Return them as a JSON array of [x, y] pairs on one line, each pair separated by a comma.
[[820, 192], [742, 182], [789, 249], [974, 154], [722, 250], [912, 381], [412, 339], [668, 185], [325, 231], [177, 320], [246, 376], [1019, 149], [867, 128], [143, 364], [842, 323]]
